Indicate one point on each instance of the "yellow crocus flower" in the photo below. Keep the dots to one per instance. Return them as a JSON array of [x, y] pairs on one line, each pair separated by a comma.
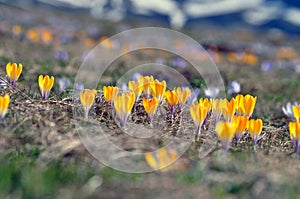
[[150, 106], [4, 102], [161, 159], [241, 123], [45, 84], [216, 108], [198, 114], [296, 112], [245, 104], [13, 72], [147, 81], [225, 131], [254, 129], [136, 87], [294, 128], [110, 93], [123, 105], [158, 89], [228, 109], [87, 98], [172, 100], [183, 95]]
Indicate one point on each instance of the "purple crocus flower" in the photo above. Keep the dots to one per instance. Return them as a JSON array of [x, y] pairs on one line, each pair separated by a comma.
[[194, 96], [63, 83], [234, 87], [61, 55], [266, 66], [79, 87]]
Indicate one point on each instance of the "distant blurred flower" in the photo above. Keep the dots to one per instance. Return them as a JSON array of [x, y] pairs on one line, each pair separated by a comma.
[[179, 62], [161, 159], [136, 76], [61, 55], [79, 87], [32, 35], [13, 72], [288, 111], [297, 68], [194, 96], [87, 98], [160, 61], [234, 87], [211, 92], [4, 102], [63, 84], [123, 87], [45, 84], [17, 30], [266, 66]]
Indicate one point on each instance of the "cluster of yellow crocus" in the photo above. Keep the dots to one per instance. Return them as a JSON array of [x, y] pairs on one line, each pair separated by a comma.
[[294, 128], [4, 102], [230, 116]]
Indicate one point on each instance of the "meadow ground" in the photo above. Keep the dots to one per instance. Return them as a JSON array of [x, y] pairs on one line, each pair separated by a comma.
[[42, 156]]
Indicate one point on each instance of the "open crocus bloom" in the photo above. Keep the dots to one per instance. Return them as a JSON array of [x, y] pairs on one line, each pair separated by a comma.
[[87, 98], [161, 159], [4, 102], [146, 81], [294, 128], [254, 129], [123, 105], [172, 100], [296, 112], [158, 89], [225, 131], [150, 106], [228, 109], [13, 72], [136, 87], [45, 84], [245, 104], [216, 109], [183, 94], [241, 123], [198, 113], [110, 93]]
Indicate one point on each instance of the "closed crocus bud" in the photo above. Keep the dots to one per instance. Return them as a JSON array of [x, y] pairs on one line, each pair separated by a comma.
[[294, 128], [13, 72], [87, 98], [150, 106], [254, 129], [4, 102], [198, 113], [110, 93], [45, 84], [123, 105]]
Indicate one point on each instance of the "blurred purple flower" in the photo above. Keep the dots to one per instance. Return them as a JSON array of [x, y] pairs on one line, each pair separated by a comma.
[[178, 62], [234, 87], [61, 55], [211, 92], [266, 66], [136, 76], [63, 83], [194, 96], [79, 87]]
